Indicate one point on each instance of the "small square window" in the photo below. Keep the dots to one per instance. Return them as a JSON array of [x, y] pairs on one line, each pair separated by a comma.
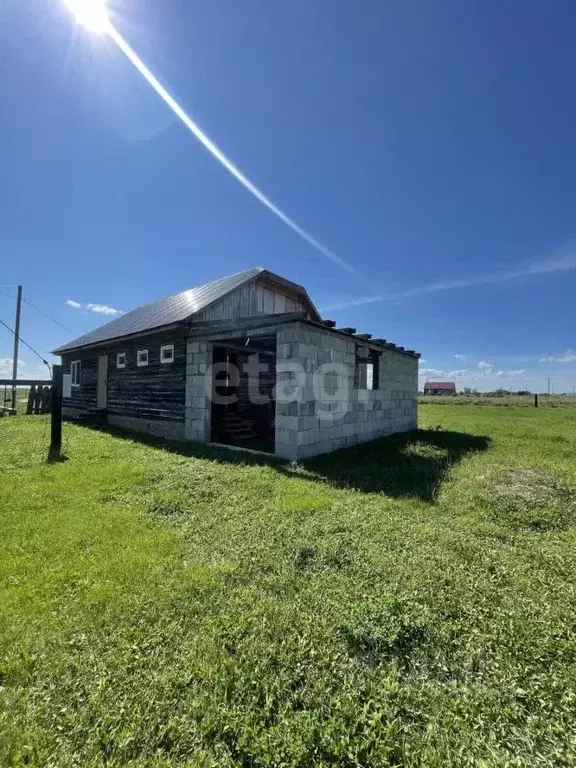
[[167, 354], [121, 360], [75, 372], [142, 357]]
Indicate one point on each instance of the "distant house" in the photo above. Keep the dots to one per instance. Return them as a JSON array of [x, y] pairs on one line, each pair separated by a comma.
[[245, 360], [440, 388]]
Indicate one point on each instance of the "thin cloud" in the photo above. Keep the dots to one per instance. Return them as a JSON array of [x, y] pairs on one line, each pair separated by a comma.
[[100, 309], [483, 372], [103, 309], [461, 357], [431, 372], [510, 374], [564, 263], [6, 367], [569, 357]]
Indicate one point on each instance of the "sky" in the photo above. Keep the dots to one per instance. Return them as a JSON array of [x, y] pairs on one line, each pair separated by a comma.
[[427, 150]]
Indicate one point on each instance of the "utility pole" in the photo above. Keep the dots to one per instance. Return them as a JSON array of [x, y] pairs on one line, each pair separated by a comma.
[[55, 452], [16, 343], [548, 386]]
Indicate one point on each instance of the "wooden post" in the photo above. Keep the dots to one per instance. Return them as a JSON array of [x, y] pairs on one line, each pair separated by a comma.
[[31, 399], [56, 419], [16, 343], [536, 401], [37, 399]]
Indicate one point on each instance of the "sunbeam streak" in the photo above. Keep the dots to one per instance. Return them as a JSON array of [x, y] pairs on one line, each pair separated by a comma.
[[93, 15], [221, 157]]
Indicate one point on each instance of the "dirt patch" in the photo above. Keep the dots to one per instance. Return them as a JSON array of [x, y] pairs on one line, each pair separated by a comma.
[[524, 498]]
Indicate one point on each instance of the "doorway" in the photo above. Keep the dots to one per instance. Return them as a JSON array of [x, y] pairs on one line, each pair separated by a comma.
[[243, 403], [102, 390]]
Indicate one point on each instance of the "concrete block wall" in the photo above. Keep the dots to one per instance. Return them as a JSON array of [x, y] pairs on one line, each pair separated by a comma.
[[198, 394], [322, 413]]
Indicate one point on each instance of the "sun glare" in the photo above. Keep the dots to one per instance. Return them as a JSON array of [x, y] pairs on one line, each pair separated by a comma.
[[91, 14]]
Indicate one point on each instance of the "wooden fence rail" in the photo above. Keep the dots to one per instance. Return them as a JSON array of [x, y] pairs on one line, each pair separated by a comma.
[[39, 395]]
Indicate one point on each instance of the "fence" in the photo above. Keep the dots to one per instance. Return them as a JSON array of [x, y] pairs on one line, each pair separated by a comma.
[[39, 398], [43, 397]]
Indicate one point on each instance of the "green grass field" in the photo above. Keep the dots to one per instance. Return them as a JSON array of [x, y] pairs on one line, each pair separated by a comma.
[[408, 603], [544, 401]]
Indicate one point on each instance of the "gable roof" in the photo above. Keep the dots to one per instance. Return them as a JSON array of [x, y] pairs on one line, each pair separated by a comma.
[[178, 308], [440, 385]]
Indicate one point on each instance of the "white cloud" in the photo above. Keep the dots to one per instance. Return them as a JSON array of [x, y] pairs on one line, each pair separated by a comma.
[[510, 374], [483, 377], [100, 309], [6, 367], [564, 263], [103, 309], [431, 372], [569, 357], [461, 357]]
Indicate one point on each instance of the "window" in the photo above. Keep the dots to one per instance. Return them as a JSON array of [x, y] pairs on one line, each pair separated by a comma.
[[167, 354], [75, 372], [142, 357], [367, 368], [121, 360]]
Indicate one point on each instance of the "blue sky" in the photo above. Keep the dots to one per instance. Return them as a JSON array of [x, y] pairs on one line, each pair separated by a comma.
[[430, 146]]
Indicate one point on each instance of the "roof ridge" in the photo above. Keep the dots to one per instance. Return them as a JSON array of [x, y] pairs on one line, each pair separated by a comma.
[[175, 308]]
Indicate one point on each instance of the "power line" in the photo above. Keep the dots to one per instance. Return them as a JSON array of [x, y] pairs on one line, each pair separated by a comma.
[[41, 312], [38, 355], [47, 316]]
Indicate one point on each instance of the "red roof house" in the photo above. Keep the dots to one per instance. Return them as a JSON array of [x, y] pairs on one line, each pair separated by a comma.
[[440, 388]]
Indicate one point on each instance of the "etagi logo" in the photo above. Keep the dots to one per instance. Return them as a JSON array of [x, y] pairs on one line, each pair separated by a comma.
[[330, 385]]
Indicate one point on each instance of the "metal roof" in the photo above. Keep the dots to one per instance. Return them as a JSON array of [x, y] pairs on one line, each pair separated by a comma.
[[440, 385], [174, 309]]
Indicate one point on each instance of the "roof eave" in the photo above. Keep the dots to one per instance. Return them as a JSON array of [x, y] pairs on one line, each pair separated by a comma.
[[107, 342]]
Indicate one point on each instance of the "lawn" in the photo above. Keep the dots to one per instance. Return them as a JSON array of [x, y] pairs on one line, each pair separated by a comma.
[[407, 603], [544, 401]]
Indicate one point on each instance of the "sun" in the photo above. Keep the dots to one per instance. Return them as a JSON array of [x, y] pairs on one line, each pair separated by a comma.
[[91, 14]]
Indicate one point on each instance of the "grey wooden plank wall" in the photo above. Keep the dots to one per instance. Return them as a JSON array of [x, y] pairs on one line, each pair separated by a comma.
[[156, 391], [256, 298], [83, 397]]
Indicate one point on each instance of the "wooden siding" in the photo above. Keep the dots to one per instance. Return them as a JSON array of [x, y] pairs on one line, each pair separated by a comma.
[[260, 297], [83, 397], [155, 391]]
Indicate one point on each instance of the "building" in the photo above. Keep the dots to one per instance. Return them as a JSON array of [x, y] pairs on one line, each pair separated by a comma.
[[440, 388], [245, 360]]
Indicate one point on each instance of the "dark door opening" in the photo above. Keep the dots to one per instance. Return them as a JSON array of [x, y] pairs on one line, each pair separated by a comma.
[[243, 403]]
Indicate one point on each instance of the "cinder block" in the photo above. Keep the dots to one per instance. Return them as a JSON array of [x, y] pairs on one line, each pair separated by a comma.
[[285, 451], [306, 351], [287, 422]]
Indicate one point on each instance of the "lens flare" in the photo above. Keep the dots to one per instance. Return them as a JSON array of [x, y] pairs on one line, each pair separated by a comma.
[[91, 14]]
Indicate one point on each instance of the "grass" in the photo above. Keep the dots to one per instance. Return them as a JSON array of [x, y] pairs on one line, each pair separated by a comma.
[[408, 603], [544, 401]]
